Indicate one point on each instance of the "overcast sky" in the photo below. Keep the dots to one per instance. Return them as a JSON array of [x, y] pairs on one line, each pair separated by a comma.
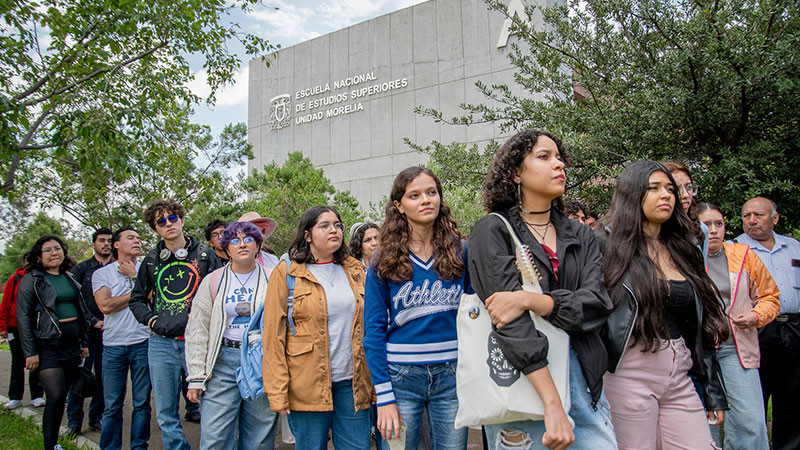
[[293, 22]]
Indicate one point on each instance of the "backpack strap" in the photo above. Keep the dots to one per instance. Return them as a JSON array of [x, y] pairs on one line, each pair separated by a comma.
[[216, 280], [203, 260], [17, 277], [290, 298]]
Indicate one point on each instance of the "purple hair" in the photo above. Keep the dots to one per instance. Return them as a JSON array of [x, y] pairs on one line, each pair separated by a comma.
[[235, 228]]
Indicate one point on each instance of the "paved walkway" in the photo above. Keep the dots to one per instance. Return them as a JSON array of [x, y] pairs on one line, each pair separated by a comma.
[[91, 438]]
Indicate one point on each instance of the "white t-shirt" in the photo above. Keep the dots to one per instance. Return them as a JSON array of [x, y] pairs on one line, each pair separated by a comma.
[[239, 303], [119, 328], [341, 308]]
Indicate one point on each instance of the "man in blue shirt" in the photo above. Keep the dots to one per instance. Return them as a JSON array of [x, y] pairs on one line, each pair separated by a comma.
[[779, 341]]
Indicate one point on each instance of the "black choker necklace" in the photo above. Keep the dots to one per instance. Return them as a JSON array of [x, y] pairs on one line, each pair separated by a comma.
[[534, 212]]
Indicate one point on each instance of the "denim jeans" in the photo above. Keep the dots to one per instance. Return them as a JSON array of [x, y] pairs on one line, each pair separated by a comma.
[[745, 425], [226, 418], [167, 361], [431, 386], [96, 406], [350, 427], [116, 362], [593, 429]]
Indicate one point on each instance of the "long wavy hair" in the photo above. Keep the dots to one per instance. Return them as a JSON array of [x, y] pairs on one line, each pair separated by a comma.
[[500, 192], [393, 258], [300, 249], [32, 257], [626, 256]]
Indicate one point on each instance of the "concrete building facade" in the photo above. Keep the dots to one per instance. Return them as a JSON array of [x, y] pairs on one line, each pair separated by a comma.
[[347, 99]]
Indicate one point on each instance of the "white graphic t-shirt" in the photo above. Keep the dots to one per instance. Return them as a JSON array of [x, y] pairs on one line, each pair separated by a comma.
[[239, 303]]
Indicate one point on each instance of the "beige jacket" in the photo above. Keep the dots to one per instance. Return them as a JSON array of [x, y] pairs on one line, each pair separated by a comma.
[[296, 368], [207, 321]]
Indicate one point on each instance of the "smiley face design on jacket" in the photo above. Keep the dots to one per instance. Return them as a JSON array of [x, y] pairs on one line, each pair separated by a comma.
[[176, 283]]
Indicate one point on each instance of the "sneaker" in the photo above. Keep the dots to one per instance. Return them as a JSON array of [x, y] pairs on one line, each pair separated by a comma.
[[96, 425], [58, 447], [37, 402], [193, 416], [12, 404]]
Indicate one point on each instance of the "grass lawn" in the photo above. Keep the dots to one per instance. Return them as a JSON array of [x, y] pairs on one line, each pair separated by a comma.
[[24, 434]]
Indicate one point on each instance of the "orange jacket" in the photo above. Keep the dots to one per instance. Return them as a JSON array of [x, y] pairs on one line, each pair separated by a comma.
[[296, 367], [752, 289]]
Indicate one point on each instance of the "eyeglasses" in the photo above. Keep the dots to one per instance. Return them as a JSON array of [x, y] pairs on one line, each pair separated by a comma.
[[216, 234], [326, 226], [56, 249], [246, 240], [162, 222], [691, 189]]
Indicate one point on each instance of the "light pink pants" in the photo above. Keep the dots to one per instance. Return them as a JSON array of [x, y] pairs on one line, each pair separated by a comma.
[[653, 402]]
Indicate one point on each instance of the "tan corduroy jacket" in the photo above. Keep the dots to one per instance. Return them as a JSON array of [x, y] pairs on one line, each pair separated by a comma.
[[296, 367]]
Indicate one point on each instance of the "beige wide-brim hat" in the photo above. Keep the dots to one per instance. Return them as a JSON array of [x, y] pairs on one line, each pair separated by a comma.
[[267, 224]]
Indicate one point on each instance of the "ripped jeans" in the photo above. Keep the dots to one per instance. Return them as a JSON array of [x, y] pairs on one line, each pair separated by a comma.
[[593, 429]]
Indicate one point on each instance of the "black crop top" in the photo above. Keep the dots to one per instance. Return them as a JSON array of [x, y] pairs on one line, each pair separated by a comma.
[[681, 311]]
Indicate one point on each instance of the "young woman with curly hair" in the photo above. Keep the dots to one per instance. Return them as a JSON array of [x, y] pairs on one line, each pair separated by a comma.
[[413, 289], [525, 183], [668, 316]]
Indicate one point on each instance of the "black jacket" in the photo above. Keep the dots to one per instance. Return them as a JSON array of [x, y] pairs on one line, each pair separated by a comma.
[[580, 303], [166, 287], [705, 366], [83, 275], [36, 311]]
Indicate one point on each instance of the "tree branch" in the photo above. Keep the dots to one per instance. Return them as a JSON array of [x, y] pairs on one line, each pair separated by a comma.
[[96, 73]]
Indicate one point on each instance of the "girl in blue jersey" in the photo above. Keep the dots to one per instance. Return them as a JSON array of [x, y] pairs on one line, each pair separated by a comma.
[[413, 289]]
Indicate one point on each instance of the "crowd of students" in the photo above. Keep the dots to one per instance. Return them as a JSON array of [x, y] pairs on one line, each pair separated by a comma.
[[360, 341]]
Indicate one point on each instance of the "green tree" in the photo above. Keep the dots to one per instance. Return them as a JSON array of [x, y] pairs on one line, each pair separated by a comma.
[[285, 192], [715, 84], [22, 241], [81, 81]]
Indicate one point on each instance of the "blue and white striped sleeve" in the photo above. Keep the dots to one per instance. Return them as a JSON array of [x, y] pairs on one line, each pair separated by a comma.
[[376, 322]]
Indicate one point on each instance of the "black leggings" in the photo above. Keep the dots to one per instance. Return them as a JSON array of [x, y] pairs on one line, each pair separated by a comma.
[[56, 383]]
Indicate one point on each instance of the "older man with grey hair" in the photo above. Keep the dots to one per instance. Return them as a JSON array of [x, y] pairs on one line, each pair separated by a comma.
[[779, 341]]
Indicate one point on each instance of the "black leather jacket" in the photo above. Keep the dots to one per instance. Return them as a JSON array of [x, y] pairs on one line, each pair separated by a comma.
[[705, 366], [36, 311]]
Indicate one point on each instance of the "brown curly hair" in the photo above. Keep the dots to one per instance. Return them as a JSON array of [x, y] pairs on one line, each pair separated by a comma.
[[500, 191], [393, 259], [157, 206]]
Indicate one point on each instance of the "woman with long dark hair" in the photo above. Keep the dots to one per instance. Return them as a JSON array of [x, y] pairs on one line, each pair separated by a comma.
[[52, 320], [751, 301], [668, 314], [314, 367], [524, 184], [413, 289]]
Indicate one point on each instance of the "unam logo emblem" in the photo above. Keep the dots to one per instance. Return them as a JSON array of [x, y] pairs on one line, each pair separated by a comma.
[[280, 114]]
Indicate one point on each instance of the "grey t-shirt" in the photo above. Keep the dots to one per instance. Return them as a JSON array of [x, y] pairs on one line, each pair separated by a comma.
[[119, 328], [341, 307], [718, 271]]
